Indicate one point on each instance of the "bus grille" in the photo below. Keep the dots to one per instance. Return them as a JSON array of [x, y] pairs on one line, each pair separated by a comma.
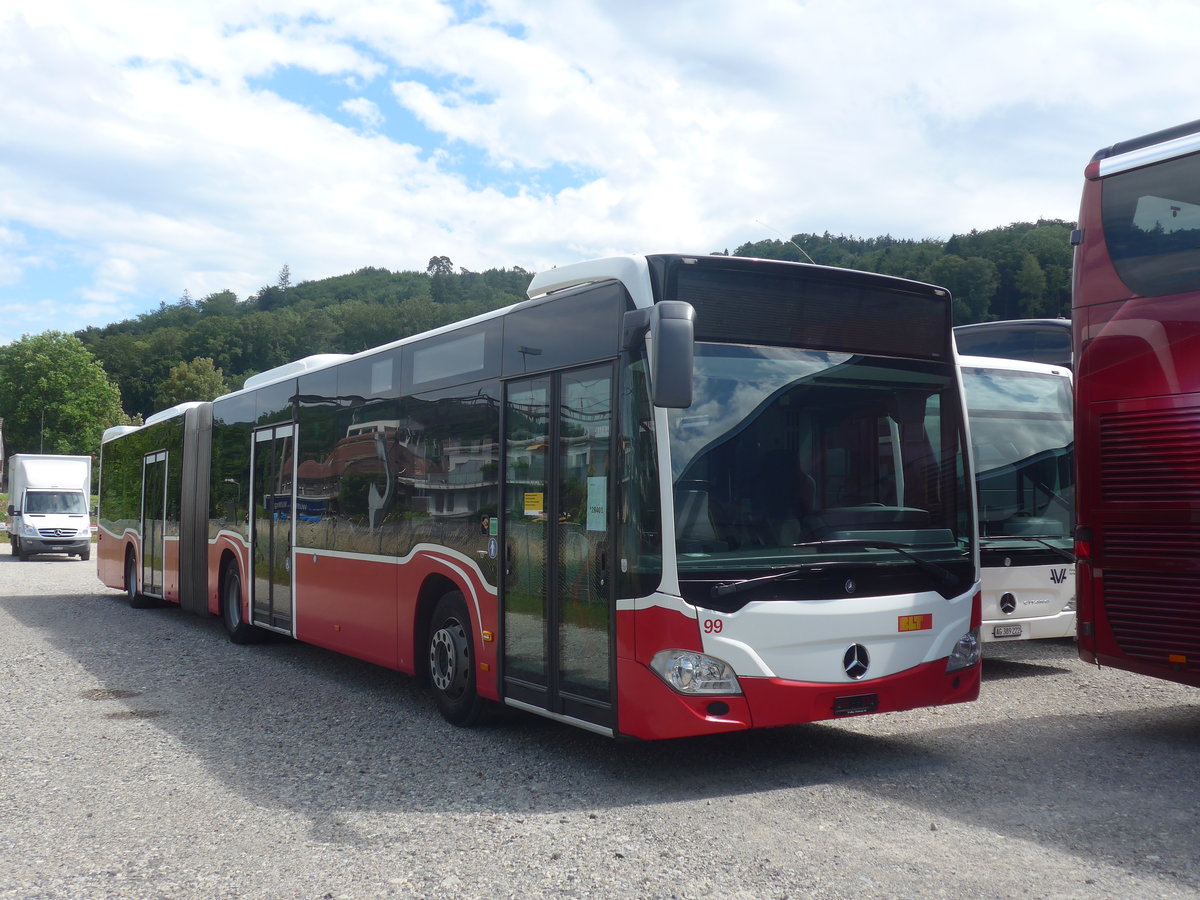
[[1153, 615], [1150, 456], [1173, 543]]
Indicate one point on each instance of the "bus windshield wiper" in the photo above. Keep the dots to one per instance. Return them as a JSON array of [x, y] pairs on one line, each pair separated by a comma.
[[944, 576], [1065, 554], [724, 590]]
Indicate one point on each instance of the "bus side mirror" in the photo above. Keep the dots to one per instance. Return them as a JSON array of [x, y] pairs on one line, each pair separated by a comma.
[[672, 329], [671, 326]]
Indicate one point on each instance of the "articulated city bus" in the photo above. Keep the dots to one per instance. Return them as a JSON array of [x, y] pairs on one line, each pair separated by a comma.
[[665, 496], [1022, 444], [1136, 315]]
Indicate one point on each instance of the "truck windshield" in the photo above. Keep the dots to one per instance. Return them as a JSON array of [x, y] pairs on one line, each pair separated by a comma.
[[43, 502], [789, 457]]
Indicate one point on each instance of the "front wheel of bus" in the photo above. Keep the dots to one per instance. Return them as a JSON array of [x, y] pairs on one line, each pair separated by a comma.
[[239, 631], [452, 661]]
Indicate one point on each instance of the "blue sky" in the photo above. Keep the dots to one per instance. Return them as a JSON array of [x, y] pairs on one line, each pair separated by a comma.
[[149, 149]]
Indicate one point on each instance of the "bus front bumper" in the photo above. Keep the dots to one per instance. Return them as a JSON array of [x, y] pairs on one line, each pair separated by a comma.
[[650, 710]]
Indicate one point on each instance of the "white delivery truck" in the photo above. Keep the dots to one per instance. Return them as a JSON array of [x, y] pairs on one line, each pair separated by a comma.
[[48, 504]]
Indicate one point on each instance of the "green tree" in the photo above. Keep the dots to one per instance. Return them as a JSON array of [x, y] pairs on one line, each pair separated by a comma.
[[972, 282], [1030, 282], [222, 303], [439, 265], [195, 380], [56, 398]]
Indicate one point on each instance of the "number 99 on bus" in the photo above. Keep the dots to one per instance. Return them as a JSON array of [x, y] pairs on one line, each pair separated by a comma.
[[713, 626]]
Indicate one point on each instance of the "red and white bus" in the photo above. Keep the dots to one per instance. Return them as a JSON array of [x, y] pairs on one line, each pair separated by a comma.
[[665, 496], [1136, 325]]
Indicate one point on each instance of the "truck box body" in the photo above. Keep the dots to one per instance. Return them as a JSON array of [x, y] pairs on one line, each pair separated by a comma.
[[49, 501]]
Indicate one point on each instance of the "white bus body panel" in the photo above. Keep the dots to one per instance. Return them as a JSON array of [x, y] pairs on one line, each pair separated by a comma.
[[807, 640], [1045, 602]]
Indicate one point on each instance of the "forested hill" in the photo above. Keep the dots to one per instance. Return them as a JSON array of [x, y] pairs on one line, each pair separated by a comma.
[[284, 322], [1019, 271], [162, 357]]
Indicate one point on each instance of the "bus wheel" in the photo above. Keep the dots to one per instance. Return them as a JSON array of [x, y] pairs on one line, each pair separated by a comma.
[[451, 661], [136, 600], [239, 631]]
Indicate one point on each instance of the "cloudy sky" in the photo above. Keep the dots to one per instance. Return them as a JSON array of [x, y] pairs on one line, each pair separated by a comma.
[[150, 148]]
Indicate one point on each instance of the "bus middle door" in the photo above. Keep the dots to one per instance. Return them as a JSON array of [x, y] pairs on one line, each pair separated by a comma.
[[154, 520], [273, 504]]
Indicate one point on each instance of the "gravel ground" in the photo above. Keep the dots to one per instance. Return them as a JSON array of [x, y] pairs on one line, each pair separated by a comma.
[[143, 755]]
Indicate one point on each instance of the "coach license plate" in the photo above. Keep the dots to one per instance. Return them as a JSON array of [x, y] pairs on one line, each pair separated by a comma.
[[1006, 631]]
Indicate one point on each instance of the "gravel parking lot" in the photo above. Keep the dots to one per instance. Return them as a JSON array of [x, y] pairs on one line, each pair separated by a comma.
[[143, 755]]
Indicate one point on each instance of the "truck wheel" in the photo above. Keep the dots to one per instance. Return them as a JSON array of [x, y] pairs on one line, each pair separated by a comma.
[[85, 555], [452, 661], [21, 552]]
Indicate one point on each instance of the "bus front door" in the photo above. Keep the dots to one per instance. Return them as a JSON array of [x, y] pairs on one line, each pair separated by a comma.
[[271, 527], [154, 521], [556, 525]]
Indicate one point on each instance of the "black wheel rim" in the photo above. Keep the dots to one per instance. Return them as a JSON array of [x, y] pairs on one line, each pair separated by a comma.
[[448, 659]]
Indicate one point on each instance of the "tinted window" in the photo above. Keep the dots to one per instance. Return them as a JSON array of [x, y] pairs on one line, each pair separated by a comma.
[[274, 402], [348, 495], [447, 456], [1152, 226], [812, 307], [465, 354], [316, 478], [1033, 342], [121, 476], [564, 330], [233, 420]]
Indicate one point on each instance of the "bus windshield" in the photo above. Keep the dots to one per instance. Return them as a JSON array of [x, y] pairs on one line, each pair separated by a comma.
[[790, 456], [1022, 440]]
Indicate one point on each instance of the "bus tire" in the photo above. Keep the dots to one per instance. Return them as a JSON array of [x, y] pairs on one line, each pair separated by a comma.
[[136, 600], [239, 631], [452, 661]]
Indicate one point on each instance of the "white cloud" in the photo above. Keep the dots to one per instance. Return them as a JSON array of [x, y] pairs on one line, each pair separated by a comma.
[[138, 136], [366, 111]]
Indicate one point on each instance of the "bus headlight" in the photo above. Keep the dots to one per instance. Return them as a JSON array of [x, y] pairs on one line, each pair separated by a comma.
[[689, 672], [965, 653]]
